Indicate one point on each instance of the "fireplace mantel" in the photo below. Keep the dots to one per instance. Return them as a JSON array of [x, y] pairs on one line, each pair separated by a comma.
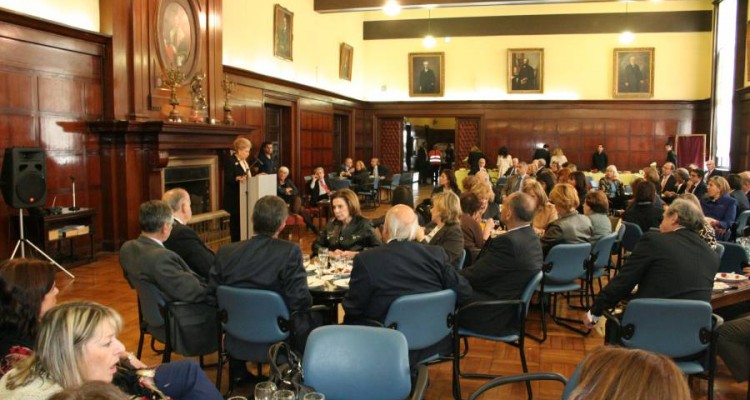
[[133, 154]]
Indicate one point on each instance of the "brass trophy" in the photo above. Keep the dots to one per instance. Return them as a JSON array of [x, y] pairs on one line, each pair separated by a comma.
[[228, 87], [199, 99], [174, 78]]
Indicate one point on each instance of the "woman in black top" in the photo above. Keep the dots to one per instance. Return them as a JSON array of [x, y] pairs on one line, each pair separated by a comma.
[[447, 181], [348, 232], [643, 212], [361, 175], [236, 170]]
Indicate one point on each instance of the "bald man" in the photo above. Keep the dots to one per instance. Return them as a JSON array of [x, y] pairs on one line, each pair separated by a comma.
[[183, 240]]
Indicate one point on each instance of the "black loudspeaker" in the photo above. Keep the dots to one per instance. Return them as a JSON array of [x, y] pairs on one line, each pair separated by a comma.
[[24, 177]]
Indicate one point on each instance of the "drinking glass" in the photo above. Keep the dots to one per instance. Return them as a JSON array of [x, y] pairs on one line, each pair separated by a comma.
[[306, 260], [283, 395], [319, 268], [265, 390], [323, 256], [314, 396]]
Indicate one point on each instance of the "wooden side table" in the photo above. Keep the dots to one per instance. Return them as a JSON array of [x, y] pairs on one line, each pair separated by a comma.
[[49, 231]]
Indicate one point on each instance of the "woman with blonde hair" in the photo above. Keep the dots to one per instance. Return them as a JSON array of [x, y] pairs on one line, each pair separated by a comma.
[[348, 232], [719, 208], [236, 170], [545, 211], [490, 210], [616, 373], [570, 227], [77, 343], [445, 229], [558, 156]]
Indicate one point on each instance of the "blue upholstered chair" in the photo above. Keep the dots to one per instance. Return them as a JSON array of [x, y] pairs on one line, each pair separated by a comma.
[[563, 267], [515, 339], [346, 362], [631, 236], [601, 255], [528, 377], [252, 320], [733, 259], [681, 329]]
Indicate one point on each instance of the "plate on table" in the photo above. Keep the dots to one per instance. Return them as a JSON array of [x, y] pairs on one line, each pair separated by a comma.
[[720, 286], [310, 268], [314, 282], [730, 277], [342, 283]]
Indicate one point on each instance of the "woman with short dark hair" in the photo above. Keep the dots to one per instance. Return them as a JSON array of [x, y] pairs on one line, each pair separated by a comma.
[[570, 227], [348, 232], [596, 208], [643, 212]]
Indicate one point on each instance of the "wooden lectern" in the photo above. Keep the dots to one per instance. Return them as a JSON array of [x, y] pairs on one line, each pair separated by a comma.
[[250, 191]]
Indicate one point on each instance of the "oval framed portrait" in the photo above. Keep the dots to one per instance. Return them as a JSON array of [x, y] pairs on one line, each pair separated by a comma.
[[178, 35]]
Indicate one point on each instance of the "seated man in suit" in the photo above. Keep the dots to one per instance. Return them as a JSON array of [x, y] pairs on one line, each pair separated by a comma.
[[515, 182], [347, 168], [696, 185], [183, 240], [668, 180], [377, 169], [674, 263], [503, 268], [146, 259], [319, 189], [400, 267], [265, 262]]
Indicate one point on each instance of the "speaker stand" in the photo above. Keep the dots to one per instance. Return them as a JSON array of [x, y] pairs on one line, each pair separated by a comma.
[[22, 242]]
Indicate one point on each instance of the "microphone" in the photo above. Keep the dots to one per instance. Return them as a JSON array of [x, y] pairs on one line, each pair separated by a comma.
[[256, 162]]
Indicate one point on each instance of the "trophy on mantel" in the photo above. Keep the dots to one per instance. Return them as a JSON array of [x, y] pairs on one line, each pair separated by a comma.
[[174, 78], [228, 86], [199, 99]]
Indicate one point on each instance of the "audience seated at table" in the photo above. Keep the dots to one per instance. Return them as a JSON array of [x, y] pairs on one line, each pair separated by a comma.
[[66, 345], [579, 181], [378, 170], [570, 227], [675, 263], [547, 179], [719, 207], [146, 259], [515, 182], [483, 190], [616, 373], [287, 190], [735, 184], [473, 158], [348, 232], [268, 263], [183, 240], [557, 156], [652, 175], [445, 230], [596, 209], [361, 175], [668, 180], [642, 211], [480, 166], [503, 269], [400, 267], [544, 211], [563, 176], [611, 185], [347, 168], [474, 235], [446, 182]]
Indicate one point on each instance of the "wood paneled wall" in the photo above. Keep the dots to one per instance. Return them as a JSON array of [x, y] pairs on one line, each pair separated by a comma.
[[51, 80], [633, 132], [740, 153]]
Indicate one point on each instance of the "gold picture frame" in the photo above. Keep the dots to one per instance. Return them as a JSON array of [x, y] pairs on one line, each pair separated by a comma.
[[283, 32], [346, 59], [633, 73], [426, 74], [178, 36], [526, 70]]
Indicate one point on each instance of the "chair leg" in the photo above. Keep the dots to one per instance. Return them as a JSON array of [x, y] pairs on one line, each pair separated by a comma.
[[525, 369], [544, 322], [456, 369], [560, 320], [139, 351], [219, 370]]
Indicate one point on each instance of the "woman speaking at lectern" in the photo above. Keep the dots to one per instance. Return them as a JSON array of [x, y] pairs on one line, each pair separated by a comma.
[[236, 170]]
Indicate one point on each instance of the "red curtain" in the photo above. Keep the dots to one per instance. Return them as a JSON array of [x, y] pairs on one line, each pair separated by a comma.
[[690, 149]]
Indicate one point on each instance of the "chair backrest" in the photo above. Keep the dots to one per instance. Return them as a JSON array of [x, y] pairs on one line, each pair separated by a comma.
[[253, 315], [338, 184], [632, 235], [407, 178], [567, 262], [602, 250], [424, 318], [719, 249], [528, 292], [742, 221], [332, 175], [675, 328], [347, 362], [462, 260], [152, 302], [395, 179], [733, 259]]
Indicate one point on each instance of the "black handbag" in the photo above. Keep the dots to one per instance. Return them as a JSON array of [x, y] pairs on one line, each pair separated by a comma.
[[286, 369], [138, 383]]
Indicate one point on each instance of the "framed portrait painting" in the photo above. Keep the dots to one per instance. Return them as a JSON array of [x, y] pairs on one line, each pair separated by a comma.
[[634, 72], [525, 70], [426, 74], [346, 56], [283, 32], [178, 36]]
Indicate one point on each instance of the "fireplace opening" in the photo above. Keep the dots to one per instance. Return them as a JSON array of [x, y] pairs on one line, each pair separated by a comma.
[[196, 180]]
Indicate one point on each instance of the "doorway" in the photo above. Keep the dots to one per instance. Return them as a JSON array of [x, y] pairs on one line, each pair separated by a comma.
[[341, 149], [278, 131]]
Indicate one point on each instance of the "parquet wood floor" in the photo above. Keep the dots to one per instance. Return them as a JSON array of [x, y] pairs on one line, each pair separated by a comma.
[[102, 281]]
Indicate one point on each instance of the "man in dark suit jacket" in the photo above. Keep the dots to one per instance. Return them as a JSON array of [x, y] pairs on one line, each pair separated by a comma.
[[542, 153], [146, 259], [265, 262], [515, 182], [183, 240], [671, 155], [375, 166], [711, 170], [697, 186], [675, 263], [668, 180], [319, 189], [402, 266], [504, 268]]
